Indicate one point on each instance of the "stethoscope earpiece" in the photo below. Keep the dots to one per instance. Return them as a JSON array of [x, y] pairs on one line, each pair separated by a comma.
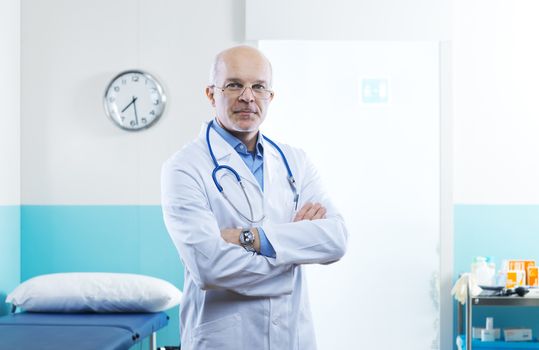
[[520, 291]]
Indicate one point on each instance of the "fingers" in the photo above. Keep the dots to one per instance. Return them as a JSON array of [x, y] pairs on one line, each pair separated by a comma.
[[320, 214], [301, 213], [311, 211], [309, 215]]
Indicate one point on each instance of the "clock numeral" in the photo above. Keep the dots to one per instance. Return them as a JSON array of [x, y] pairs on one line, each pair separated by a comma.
[[152, 112], [124, 81], [144, 121], [111, 99], [156, 102], [116, 88], [132, 123], [134, 78]]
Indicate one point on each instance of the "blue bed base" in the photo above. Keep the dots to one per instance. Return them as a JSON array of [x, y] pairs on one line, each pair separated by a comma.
[[56, 331]]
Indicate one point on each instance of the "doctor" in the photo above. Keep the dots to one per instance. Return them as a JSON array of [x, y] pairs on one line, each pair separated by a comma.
[[245, 214]]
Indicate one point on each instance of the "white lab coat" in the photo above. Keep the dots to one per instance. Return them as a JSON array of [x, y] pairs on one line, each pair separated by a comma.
[[233, 299]]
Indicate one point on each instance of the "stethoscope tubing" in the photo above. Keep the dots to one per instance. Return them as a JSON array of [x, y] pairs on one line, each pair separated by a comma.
[[219, 167]]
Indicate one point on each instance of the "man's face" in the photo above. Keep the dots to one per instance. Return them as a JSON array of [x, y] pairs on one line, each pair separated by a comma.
[[241, 68]]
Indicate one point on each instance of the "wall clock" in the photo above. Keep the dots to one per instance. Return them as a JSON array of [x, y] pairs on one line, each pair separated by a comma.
[[134, 100]]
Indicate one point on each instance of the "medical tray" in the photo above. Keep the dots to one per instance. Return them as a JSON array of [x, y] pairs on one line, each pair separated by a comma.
[[494, 345]]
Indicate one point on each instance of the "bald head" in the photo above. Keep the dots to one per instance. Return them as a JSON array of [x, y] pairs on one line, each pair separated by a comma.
[[231, 58]]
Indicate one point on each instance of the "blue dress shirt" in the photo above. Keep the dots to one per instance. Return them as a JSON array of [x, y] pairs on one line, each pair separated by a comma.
[[255, 162]]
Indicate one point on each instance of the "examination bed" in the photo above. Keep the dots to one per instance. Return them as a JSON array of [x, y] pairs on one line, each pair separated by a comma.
[[81, 331]]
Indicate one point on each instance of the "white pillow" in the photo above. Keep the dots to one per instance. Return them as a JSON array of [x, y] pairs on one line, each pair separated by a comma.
[[95, 292]]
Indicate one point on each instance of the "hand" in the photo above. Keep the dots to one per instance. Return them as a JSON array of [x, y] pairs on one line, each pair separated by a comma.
[[130, 103], [311, 211], [231, 235], [135, 108]]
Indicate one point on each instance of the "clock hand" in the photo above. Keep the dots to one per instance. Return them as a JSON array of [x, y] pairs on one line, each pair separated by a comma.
[[135, 107], [130, 103]]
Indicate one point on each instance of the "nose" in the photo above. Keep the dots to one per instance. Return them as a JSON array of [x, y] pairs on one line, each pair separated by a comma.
[[247, 94]]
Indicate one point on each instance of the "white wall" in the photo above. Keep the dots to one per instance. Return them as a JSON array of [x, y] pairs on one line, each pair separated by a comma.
[[495, 98], [348, 20], [9, 100], [71, 152]]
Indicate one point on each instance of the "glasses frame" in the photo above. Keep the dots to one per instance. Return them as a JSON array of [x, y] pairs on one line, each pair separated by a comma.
[[242, 91]]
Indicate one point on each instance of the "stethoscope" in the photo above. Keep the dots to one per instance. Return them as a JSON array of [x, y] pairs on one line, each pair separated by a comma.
[[218, 167]]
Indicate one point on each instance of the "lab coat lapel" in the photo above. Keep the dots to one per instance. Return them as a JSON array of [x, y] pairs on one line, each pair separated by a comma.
[[226, 155], [277, 193], [272, 168]]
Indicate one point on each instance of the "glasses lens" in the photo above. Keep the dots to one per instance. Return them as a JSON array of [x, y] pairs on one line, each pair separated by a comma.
[[262, 94], [258, 93]]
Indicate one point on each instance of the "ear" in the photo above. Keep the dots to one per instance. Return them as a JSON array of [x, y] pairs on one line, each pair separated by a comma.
[[210, 96]]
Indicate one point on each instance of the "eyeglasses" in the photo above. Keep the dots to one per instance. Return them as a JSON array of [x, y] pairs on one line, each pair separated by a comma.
[[236, 90]]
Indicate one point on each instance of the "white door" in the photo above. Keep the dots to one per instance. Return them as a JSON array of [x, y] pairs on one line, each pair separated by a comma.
[[368, 114]]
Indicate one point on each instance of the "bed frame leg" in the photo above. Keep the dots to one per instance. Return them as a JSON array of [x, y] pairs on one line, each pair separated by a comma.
[[153, 341]]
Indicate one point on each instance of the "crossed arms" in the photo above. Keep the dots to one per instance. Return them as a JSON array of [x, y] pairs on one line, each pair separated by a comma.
[[316, 235]]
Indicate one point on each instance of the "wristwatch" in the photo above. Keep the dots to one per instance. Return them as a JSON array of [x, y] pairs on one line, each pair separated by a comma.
[[247, 240]]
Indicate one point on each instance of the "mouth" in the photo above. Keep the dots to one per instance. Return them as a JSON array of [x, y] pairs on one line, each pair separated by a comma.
[[244, 112]]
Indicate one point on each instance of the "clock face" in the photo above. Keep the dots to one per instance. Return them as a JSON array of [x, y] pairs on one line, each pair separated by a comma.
[[134, 100]]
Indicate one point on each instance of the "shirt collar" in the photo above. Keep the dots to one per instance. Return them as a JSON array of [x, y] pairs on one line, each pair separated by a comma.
[[235, 142]]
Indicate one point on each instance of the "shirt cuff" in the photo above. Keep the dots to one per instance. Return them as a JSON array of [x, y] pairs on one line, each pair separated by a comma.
[[266, 249]]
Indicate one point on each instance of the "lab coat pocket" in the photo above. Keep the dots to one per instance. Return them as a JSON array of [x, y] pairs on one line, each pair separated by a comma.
[[223, 333]]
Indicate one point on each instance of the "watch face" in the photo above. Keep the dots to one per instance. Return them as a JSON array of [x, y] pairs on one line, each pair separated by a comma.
[[134, 100], [247, 237]]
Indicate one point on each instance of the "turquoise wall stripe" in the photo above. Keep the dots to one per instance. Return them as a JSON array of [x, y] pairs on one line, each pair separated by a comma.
[[501, 231], [9, 252], [131, 239], [504, 232]]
